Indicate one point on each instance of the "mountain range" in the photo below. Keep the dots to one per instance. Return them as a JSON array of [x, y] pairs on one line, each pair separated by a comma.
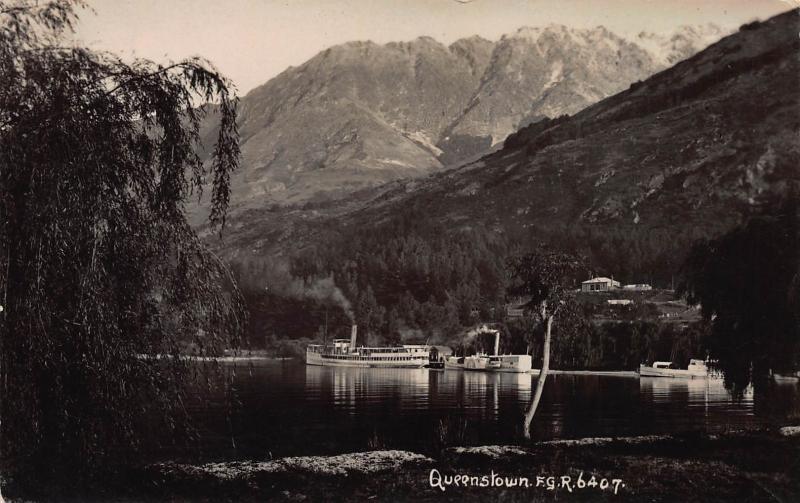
[[630, 181], [360, 114]]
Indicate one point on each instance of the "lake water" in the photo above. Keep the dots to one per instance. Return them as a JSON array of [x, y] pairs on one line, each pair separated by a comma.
[[288, 408]]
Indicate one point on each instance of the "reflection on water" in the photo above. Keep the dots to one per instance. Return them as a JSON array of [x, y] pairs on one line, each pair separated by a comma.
[[705, 401], [357, 389], [290, 408]]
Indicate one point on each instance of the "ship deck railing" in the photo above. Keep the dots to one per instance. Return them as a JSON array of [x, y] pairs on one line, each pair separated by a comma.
[[319, 348], [382, 358]]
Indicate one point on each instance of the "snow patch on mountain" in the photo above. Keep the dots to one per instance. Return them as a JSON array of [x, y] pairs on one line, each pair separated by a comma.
[[670, 48]]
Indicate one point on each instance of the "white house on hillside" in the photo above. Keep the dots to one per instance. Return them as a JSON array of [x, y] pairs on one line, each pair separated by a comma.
[[599, 285]]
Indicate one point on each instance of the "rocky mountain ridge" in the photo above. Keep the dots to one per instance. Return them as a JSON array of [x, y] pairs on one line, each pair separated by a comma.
[[361, 114]]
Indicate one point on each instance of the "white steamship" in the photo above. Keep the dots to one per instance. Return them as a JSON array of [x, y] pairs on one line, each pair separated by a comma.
[[344, 353]]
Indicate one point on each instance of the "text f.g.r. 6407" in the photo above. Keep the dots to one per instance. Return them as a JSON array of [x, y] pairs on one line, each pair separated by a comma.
[[550, 483]]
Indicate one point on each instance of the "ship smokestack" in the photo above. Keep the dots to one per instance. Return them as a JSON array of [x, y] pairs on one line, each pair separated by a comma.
[[497, 342], [353, 338]]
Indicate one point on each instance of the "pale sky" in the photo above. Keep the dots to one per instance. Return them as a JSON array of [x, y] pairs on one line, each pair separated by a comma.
[[251, 41]]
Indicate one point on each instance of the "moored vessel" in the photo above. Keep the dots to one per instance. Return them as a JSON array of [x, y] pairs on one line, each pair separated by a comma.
[[491, 363], [696, 369], [510, 363], [497, 363], [786, 377], [344, 353]]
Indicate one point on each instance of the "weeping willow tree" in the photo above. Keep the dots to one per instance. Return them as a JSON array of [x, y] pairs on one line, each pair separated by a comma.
[[546, 278], [747, 283], [99, 271]]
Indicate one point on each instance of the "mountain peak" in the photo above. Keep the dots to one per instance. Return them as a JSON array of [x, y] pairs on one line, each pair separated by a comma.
[[474, 40], [362, 113], [426, 39], [533, 33], [420, 43]]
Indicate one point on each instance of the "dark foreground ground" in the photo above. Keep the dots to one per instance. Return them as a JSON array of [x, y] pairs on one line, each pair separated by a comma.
[[750, 466], [744, 466]]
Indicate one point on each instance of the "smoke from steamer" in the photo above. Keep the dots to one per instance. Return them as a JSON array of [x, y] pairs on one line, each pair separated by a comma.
[[280, 281]]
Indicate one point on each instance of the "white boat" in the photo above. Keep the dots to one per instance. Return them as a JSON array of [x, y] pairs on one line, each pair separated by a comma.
[[795, 377], [498, 363], [510, 363], [696, 369], [491, 363], [344, 353]]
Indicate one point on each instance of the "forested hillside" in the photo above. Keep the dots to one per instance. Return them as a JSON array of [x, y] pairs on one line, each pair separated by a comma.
[[629, 183]]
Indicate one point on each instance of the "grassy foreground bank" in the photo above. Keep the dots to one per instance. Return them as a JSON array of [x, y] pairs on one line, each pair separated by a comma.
[[752, 466], [736, 466]]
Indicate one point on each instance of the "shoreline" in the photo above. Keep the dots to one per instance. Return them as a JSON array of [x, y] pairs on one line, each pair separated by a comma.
[[244, 358], [258, 357], [534, 372], [610, 373], [223, 359]]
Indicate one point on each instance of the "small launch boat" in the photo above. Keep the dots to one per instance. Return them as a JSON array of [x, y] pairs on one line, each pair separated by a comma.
[[696, 369], [786, 377]]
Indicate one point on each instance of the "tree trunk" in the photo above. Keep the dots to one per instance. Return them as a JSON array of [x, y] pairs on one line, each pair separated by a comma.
[[526, 427]]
